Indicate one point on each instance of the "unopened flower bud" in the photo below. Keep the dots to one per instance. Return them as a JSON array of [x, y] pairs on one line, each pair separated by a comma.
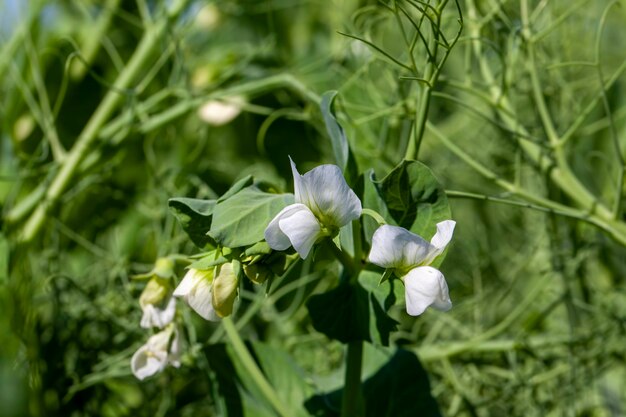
[[257, 273], [225, 287], [157, 303], [164, 268]]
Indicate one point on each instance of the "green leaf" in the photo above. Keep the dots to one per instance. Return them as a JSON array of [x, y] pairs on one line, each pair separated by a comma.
[[341, 148], [211, 259], [400, 388], [349, 313], [236, 187], [335, 131], [241, 219], [282, 372], [372, 200], [414, 198], [341, 313], [194, 215], [285, 375]]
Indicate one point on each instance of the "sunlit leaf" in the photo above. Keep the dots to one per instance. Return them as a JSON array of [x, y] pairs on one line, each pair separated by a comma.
[[194, 215], [241, 219]]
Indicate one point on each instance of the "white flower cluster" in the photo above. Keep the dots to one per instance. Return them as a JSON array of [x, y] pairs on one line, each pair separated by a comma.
[[324, 203], [159, 308], [211, 293]]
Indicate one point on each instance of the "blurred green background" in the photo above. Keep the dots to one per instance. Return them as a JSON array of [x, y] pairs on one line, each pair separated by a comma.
[[538, 285]]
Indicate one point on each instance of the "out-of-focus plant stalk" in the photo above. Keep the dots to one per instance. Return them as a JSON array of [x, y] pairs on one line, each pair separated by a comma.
[[93, 40], [560, 173], [16, 41], [253, 370], [430, 76], [147, 46]]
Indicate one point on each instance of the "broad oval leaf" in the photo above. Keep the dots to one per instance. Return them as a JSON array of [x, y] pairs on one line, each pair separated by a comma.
[[414, 198], [399, 388], [241, 219], [194, 215], [350, 313], [341, 147]]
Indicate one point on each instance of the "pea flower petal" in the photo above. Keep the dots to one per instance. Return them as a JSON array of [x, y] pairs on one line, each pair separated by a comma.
[[442, 237], [196, 290], [396, 247], [426, 286], [156, 316], [296, 226], [409, 255], [323, 203], [326, 193], [160, 350]]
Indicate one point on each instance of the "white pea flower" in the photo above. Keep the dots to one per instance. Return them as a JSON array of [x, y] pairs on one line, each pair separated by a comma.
[[157, 304], [156, 301], [160, 350], [324, 203], [196, 289], [409, 255]]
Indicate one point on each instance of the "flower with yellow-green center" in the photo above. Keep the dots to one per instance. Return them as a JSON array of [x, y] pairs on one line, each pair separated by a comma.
[[156, 300], [409, 256], [323, 204], [161, 349]]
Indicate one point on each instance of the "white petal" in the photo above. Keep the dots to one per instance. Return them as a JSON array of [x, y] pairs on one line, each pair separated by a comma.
[[274, 236], [167, 315], [302, 229], [442, 237], [186, 285], [396, 247], [175, 351], [425, 286], [158, 317], [145, 362], [325, 191], [195, 290], [149, 316]]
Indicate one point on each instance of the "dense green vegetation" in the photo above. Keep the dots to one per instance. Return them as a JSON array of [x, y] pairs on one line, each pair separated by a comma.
[[517, 108]]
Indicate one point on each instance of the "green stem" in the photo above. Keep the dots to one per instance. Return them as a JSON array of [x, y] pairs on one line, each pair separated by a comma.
[[347, 262], [374, 215], [352, 399], [148, 44], [560, 174], [615, 229], [254, 372]]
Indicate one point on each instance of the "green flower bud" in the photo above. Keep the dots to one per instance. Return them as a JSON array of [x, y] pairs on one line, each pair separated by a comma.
[[157, 303], [164, 268], [225, 287], [155, 292], [257, 273]]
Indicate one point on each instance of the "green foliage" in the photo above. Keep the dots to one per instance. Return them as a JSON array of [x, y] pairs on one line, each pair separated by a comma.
[[522, 123], [194, 215], [356, 312], [344, 157], [413, 198], [400, 387], [241, 219]]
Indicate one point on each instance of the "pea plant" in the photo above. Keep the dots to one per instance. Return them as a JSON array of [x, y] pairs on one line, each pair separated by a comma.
[[243, 208], [372, 244]]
